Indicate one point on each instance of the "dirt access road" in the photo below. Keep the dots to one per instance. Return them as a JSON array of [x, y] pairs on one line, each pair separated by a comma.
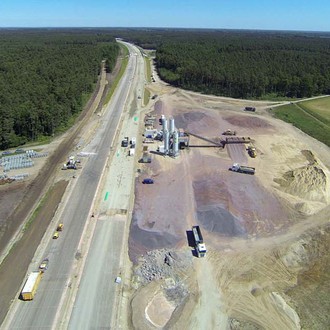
[[266, 234]]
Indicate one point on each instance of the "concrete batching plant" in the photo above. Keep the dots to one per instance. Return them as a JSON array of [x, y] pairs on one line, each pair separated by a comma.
[[170, 137]]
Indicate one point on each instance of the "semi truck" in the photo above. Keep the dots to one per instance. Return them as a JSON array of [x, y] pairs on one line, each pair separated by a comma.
[[31, 285], [199, 244], [242, 169]]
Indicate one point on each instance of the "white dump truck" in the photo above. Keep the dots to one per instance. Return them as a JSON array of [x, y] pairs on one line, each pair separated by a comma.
[[199, 244]]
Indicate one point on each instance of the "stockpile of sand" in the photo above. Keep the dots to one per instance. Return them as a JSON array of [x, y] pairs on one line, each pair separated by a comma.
[[310, 182]]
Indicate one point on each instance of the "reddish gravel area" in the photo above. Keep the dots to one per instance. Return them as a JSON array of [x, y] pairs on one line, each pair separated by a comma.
[[248, 122], [198, 188]]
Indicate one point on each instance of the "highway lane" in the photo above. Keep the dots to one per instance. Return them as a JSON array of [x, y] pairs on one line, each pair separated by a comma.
[[97, 300], [40, 313]]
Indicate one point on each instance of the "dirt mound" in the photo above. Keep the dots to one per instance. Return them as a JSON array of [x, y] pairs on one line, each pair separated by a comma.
[[310, 296], [248, 122], [309, 182]]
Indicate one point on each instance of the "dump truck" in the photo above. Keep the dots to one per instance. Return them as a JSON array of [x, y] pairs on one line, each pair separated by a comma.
[[242, 169], [252, 151], [229, 132], [31, 285], [200, 247]]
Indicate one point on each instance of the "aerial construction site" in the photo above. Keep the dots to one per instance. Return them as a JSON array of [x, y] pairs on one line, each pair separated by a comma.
[[206, 213], [263, 232]]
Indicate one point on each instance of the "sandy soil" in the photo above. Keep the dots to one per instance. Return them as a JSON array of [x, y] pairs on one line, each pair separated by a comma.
[[251, 224]]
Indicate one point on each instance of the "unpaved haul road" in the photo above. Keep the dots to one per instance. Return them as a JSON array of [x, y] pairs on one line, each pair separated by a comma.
[[42, 312]]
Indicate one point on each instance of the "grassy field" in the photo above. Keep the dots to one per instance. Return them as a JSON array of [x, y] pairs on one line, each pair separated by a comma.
[[146, 96], [312, 117], [147, 62]]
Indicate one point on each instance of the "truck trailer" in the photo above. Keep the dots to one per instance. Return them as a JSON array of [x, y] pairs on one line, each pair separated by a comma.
[[199, 244], [31, 285], [242, 169]]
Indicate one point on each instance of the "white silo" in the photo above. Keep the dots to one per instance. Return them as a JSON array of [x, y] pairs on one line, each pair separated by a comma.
[[166, 142], [172, 126], [164, 123], [175, 143]]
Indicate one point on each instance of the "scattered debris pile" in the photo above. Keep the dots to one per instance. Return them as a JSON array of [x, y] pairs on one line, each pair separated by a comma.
[[161, 264]]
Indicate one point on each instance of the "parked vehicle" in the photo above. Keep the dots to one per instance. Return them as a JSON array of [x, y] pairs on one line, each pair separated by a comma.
[[199, 243], [31, 285], [242, 169], [124, 142], [56, 235], [148, 181], [253, 109]]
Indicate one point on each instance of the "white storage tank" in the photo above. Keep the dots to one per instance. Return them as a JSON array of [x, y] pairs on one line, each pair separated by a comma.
[[172, 126], [166, 141], [175, 143]]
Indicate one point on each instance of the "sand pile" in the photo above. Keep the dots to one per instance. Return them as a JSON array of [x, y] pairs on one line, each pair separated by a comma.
[[310, 182]]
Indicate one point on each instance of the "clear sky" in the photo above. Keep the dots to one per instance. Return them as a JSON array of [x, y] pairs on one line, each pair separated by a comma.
[[308, 15]]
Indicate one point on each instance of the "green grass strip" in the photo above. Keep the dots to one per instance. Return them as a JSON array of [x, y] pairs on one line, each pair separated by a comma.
[[147, 62], [306, 122], [120, 74], [146, 97]]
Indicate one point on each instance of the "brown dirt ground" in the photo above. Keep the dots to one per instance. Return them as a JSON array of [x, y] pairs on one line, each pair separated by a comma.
[[14, 266], [250, 223]]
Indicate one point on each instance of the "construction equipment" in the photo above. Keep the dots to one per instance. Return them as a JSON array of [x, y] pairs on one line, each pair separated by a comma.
[[218, 144], [60, 227], [229, 132], [31, 285], [199, 244], [71, 164], [252, 151], [242, 169]]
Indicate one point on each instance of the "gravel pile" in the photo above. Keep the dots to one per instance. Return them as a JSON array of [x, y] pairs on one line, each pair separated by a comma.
[[161, 264]]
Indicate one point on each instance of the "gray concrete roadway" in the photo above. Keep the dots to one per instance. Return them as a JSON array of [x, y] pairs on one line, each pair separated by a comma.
[[42, 312], [98, 296]]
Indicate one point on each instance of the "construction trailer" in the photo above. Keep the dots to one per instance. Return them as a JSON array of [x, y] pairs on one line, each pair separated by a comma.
[[31, 285], [200, 247]]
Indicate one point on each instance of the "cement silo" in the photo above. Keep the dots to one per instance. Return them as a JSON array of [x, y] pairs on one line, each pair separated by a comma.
[[164, 124], [172, 125], [166, 141], [175, 143]]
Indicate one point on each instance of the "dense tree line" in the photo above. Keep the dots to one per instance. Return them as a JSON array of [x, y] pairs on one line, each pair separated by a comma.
[[241, 64], [44, 77], [248, 66]]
